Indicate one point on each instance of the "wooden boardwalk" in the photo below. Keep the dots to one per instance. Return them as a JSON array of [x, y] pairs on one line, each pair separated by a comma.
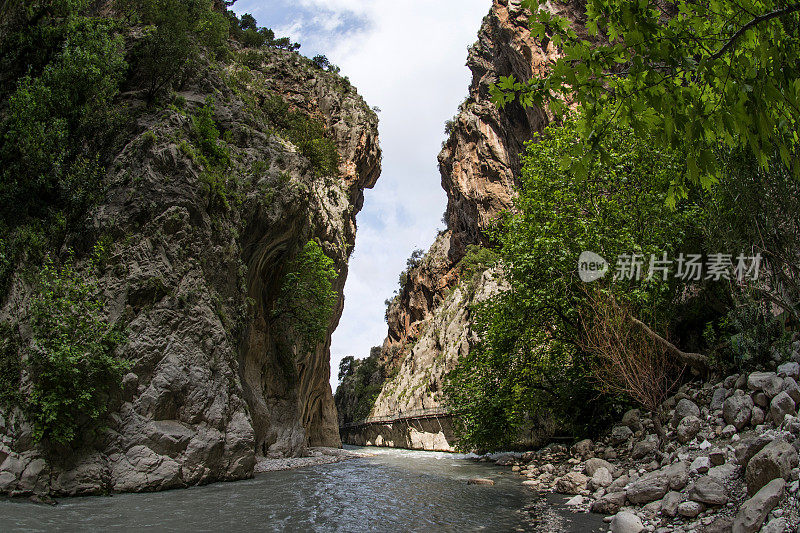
[[401, 416]]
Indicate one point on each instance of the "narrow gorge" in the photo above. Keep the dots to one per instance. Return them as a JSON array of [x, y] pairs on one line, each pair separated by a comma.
[[430, 319]]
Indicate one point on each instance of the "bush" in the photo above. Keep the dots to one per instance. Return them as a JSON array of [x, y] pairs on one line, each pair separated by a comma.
[[305, 133], [53, 116], [307, 297], [178, 30], [627, 361], [477, 260], [206, 134], [321, 62], [71, 364]]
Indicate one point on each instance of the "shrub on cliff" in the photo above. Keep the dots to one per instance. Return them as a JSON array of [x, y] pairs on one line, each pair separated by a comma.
[[306, 133], [307, 297], [530, 359], [58, 113], [176, 31], [70, 361]]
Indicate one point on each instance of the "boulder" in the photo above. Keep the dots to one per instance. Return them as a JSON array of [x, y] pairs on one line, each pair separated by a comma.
[[716, 456], [594, 464], [791, 424], [728, 431], [718, 398], [723, 474], [575, 501], [688, 428], [140, 468], [643, 448], [480, 481], [620, 434], [670, 502], [760, 399], [625, 522], [571, 483], [707, 490], [619, 484], [609, 503], [775, 460], [789, 370], [648, 488], [754, 511], [602, 478], [685, 407], [757, 416], [700, 465], [781, 405], [583, 448], [736, 410], [767, 382], [690, 509], [633, 420], [776, 525], [677, 475], [721, 524], [747, 448], [791, 388]]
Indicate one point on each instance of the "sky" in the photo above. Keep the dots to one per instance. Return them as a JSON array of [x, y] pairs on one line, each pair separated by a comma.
[[407, 57]]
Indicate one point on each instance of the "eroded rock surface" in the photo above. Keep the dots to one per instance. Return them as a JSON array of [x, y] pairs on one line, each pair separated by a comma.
[[217, 379]]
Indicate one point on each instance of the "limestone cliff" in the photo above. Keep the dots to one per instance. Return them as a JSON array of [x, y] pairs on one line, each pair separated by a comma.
[[193, 275], [429, 321]]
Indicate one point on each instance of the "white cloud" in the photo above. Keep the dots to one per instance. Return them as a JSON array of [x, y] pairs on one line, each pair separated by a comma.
[[406, 57]]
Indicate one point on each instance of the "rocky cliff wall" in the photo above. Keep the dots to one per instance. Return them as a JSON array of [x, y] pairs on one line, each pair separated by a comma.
[[193, 275]]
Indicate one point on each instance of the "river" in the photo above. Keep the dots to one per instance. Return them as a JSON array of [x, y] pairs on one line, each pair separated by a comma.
[[393, 490]]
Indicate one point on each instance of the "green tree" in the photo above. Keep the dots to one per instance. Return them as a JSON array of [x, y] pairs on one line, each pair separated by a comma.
[[531, 361], [686, 73], [54, 116], [307, 297], [70, 362], [177, 31]]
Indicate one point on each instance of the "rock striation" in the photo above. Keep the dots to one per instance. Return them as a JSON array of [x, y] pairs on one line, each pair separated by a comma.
[[217, 381]]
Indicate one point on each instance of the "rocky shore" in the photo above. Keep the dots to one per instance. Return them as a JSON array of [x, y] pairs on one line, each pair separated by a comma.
[[729, 461], [319, 455]]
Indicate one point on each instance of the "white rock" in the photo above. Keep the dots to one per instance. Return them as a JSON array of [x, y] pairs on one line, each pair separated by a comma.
[[625, 522], [701, 465], [575, 500]]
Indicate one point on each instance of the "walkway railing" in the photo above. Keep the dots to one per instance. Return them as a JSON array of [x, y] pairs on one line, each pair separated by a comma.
[[416, 414]]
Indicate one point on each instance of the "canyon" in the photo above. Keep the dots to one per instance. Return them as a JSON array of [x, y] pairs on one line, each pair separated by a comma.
[[429, 321]]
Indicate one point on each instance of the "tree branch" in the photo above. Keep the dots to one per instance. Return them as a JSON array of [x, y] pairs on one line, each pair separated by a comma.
[[695, 360], [757, 20]]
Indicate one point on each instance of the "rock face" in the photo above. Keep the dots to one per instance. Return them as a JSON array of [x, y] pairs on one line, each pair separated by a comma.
[[429, 321], [754, 511], [775, 460], [217, 380]]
